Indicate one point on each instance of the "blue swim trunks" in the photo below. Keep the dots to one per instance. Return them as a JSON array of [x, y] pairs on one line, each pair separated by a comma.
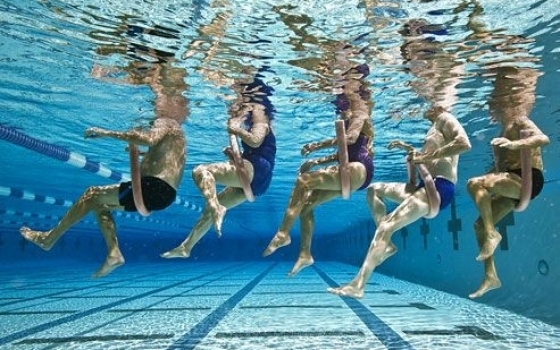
[[445, 188]]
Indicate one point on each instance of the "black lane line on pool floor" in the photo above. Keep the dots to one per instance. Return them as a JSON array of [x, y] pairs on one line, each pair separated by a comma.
[[474, 331], [93, 287], [83, 337], [70, 318], [279, 334], [419, 306], [200, 331], [381, 330], [97, 338]]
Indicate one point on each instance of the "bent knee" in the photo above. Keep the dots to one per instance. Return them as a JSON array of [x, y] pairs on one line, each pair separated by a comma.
[[307, 210], [381, 240], [358, 173], [198, 171], [375, 187], [474, 184], [92, 198], [105, 217], [303, 180], [91, 193], [370, 192]]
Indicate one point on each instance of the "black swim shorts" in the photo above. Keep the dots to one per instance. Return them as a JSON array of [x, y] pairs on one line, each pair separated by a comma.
[[156, 193], [538, 180]]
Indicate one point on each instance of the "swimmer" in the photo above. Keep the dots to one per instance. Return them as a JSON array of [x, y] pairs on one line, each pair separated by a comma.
[[252, 113], [161, 173], [312, 188], [496, 194], [444, 141], [162, 164]]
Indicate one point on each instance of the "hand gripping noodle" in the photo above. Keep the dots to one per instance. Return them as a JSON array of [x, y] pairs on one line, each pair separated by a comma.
[[136, 180], [343, 159], [526, 175], [433, 196], [240, 168], [434, 199]]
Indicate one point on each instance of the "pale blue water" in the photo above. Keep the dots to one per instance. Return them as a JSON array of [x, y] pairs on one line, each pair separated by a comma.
[[226, 295]]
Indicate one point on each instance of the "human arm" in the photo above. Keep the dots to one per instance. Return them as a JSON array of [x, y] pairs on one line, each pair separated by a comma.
[[456, 138], [535, 138], [160, 128], [256, 135], [308, 164], [400, 144], [355, 126], [410, 166], [126, 75], [315, 146]]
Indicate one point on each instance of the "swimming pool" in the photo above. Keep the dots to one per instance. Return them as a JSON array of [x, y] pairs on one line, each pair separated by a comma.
[[226, 295]]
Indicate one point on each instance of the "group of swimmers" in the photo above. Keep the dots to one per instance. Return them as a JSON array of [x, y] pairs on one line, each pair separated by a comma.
[[251, 114]]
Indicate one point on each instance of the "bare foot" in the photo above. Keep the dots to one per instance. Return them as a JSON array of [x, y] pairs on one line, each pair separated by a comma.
[[38, 238], [280, 240], [111, 263], [347, 291], [487, 285], [179, 252], [302, 262], [489, 246], [218, 216]]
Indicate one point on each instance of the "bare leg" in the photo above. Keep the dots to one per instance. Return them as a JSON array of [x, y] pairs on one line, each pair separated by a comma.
[[378, 252], [300, 195], [490, 237], [92, 199], [375, 204], [206, 183], [378, 191], [99, 200], [326, 179], [304, 258], [500, 208], [43, 240], [390, 250], [307, 224], [114, 256], [393, 191], [199, 230], [378, 212], [482, 190], [381, 248], [355, 289], [229, 198], [491, 280]]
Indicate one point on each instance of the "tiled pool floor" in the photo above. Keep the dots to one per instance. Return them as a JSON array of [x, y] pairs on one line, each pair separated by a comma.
[[243, 305]]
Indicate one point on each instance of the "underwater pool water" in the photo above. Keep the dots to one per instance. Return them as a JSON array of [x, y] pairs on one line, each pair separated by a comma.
[[226, 295]]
